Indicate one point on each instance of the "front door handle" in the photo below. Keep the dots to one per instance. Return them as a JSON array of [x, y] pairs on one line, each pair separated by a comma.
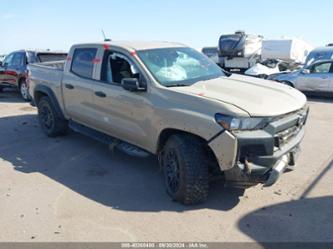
[[100, 94], [69, 86]]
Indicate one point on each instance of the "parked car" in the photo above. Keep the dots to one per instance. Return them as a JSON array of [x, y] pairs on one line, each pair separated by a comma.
[[212, 53], [316, 78], [13, 69], [170, 100]]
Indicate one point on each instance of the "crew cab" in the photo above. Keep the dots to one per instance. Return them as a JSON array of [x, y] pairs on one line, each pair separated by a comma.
[[169, 100], [13, 69]]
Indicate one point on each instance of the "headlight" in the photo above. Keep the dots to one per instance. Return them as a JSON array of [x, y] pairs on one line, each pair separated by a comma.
[[233, 123]]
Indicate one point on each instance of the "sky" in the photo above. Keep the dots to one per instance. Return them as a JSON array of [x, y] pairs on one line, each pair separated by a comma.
[[56, 25]]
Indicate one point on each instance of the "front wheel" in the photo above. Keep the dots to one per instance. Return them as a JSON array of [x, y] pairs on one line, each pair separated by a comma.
[[185, 165]]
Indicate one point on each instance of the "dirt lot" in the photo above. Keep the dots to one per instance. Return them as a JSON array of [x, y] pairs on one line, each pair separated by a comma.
[[74, 189]]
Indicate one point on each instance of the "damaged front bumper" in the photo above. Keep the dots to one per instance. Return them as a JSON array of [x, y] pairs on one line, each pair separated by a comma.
[[263, 155]]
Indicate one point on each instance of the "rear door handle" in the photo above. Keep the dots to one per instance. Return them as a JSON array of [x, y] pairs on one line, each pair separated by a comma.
[[100, 94], [69, 86]]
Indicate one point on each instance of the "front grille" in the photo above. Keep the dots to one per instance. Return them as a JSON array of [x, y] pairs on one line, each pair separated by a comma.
[[283, 137]]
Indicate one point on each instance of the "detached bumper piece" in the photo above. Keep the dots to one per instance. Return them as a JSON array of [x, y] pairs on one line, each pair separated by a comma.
[[264, 155]]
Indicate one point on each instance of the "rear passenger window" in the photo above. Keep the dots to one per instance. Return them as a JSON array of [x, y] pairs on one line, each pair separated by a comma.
[[82, 64]]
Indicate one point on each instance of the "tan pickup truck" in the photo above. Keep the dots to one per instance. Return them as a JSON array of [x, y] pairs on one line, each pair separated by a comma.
[[169, 100]]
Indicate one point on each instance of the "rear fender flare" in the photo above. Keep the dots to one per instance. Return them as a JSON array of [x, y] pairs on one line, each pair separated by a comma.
[[49, 93]]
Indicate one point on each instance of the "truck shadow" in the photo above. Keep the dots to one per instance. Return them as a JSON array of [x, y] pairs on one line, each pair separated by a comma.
[[93, 171], [285, 223]]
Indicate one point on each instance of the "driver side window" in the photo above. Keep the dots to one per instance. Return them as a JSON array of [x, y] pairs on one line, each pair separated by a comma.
[[321, 68], [118, 67]]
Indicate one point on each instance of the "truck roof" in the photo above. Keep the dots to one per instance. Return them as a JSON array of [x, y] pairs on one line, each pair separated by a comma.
[[137, 45]]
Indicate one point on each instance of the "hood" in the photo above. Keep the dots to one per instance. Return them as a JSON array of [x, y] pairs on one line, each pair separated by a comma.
[[257, 97]]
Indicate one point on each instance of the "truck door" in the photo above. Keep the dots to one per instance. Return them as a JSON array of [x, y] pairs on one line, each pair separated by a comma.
[[317, 80], [121, 113], [77, 85]]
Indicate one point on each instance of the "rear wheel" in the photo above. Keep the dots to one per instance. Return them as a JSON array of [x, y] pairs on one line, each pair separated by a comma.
[[186, 169], [24, 90], [50, 121]]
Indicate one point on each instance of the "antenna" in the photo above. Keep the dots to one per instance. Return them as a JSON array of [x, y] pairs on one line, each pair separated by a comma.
[[105, 39]]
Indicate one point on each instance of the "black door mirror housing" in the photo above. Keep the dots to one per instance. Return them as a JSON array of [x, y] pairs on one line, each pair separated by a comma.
[[132, 85]]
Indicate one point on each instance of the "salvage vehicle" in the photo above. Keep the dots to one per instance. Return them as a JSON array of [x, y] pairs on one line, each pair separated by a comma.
[[316, 78], [272, 67], [238, 52], [170, 100], [266, 68], [13, 70]]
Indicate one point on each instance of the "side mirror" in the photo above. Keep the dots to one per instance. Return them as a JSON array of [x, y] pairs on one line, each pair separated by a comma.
[[305, 71], [0, 63], [132, 85]]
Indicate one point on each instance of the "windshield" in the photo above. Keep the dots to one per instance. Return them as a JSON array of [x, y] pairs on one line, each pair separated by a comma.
[[179, 66]]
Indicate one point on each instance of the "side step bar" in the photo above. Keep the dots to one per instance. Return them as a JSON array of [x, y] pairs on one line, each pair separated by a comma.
[[127, 148]]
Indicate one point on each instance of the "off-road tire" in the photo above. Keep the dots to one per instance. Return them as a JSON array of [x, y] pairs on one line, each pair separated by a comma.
[[50, 121], [191, 160]]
